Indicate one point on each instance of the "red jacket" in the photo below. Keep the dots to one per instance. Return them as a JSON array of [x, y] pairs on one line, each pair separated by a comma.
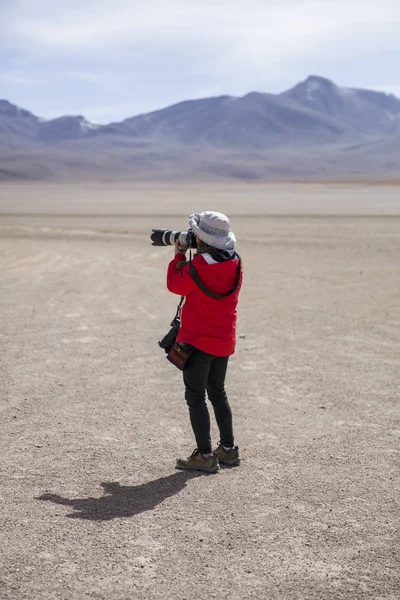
[[206, 323]]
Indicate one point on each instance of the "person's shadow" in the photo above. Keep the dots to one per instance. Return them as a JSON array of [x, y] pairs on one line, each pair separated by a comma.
[[123, 500]]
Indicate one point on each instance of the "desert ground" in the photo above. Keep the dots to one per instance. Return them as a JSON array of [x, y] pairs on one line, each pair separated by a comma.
[[92, 415]]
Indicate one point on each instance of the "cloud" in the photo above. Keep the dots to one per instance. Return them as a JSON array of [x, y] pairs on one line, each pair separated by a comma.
[[253, 35], [31, 78], [19, 79], [78, 24]]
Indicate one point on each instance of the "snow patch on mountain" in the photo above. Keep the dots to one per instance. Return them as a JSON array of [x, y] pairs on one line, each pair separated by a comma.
[[313, 86], [88, 126]]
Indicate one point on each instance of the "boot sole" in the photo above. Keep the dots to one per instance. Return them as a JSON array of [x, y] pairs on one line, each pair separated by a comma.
[[230, 463], [183, 467]]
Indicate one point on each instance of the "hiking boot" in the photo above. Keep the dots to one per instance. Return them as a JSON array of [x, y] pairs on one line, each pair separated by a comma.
[[230, 458], [198, 462]]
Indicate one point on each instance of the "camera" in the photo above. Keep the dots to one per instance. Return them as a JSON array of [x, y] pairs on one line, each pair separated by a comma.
[[165, 237], [169, 339]]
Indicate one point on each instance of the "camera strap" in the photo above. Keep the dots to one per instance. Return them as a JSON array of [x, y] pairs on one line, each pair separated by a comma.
[[178, 308], [204, 288]]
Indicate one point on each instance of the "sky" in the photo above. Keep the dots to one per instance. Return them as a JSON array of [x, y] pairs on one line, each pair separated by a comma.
[[112, 59]]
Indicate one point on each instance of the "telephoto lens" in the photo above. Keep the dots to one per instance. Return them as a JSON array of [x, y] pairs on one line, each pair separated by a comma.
[[166, 237]]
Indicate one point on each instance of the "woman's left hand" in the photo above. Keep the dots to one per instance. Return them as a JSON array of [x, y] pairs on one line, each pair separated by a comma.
[[180, 249]]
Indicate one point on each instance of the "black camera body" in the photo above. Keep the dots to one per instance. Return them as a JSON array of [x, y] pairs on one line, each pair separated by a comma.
[[169, 339], [166, 237]]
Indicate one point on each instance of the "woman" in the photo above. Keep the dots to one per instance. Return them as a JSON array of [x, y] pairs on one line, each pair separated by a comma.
[[209, 325]]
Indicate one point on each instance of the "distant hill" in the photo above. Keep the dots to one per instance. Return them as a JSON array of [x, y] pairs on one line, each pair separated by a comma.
[[315, 129], [362, 111]]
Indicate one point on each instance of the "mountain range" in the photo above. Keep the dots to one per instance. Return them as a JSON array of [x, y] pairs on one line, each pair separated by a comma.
[[313, 130]]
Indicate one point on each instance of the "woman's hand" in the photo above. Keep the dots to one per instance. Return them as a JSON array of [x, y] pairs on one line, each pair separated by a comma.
[[180, 249]]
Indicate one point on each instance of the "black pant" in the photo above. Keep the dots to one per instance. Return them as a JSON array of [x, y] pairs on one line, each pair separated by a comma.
[[207, 372]]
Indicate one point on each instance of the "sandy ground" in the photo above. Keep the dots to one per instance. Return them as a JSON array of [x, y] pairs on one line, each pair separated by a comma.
[[92, 416]]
